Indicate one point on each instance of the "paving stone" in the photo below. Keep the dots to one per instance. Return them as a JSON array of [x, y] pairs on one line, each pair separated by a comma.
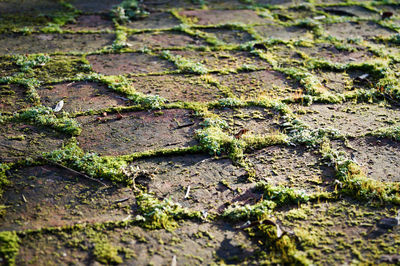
[[193, 244], [13, 98], [29, 7], [213, 17], [273, 31], [331, 53], [59, 67], [11, 22], [177, 87], [256, 120], [47, 196], [251, 85], [294, 13], [221, 4], [138, 131], [350, 11], [19, 141], [357, 30], [230, 36], [80, 96], [161, 5], [294, 167], [223, 60], [279, 2], [339, 218], [95, 5], [378, 158], [208, 179], [163, 40], [348, 118], [90, 22], [156, 20], [128, 63], [50, 43], [335, 81]]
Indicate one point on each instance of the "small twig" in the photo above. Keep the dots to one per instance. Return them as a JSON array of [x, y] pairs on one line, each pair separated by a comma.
[[73, 171], [59, 165], [121, 200], [185, 125]]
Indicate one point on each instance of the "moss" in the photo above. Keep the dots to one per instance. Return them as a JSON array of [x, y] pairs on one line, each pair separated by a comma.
[[352, 180], [185, 65], [90, 163], [3, 176], [261, 210], [128, 10], [212, 137], [122, 85], [9, 247], [392, 132], [45, 117], [28, 62], [164, 214], [282, 195], [106, 253], [296, 214]]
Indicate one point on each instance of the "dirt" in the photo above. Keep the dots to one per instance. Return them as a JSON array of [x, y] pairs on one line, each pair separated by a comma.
[[213, 132]]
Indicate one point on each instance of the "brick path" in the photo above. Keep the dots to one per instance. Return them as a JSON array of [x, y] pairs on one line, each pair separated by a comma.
[[199, 132]]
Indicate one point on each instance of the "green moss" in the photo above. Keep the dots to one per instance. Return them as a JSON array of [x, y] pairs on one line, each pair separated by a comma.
[[261, 210], [212, 137], [185, 65], [90, 163], [128, 10], [392, 132], [28, 62], [352, 180], [296, 214], [9, 247], [282, 195], [164, 214], [122, 85], [106, 253], [45, 116], [3, 176]]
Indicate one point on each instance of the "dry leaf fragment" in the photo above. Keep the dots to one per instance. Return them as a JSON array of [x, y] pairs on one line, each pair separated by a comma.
[[59, 106]]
